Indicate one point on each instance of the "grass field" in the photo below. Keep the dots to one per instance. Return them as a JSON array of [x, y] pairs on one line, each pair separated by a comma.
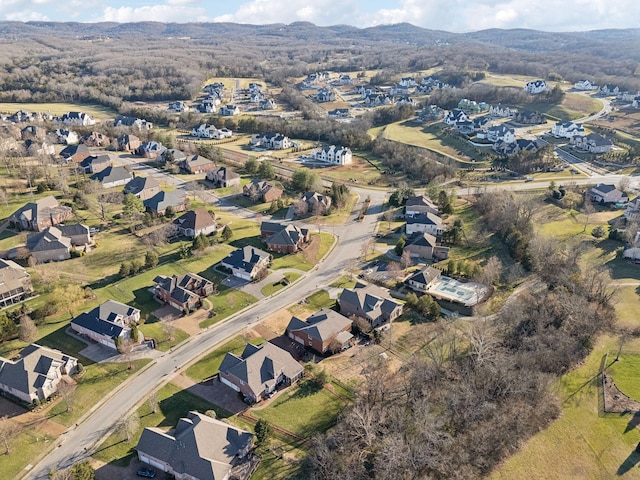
[[304, 409], [583, 443], [573, 106], [272, 288]]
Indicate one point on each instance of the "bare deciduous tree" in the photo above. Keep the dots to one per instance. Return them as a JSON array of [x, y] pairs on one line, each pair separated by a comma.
[[28, 330], [67, 392], [153, 401], [129, 426], [9, 429]]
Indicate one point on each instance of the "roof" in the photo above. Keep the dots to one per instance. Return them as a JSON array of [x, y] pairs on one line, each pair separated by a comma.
[[112, 174], [197, 219], [425, 276], [41, 209], [226, 173], [425, 219], [284, 234], [198, 161], [420, 200], [201, 447], [140, 184], [161, 200], [367, 299], [49, 239], [260, 367], [323, 325], [95, 159], [423, 239], [32, 370], [604, 188], [106, 319], [12, 275], [72, 150], [245, 258], [181, 287]]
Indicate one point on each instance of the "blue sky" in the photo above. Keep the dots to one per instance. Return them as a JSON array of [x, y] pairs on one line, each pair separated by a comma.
[[450, 15]]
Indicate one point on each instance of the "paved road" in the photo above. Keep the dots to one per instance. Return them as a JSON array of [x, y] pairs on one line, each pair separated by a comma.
[[78, 442]]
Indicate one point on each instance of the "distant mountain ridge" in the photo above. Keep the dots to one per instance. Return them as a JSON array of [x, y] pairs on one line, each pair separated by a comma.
[[519, 39]]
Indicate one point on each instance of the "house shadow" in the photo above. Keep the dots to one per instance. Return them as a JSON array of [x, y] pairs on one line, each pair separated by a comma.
[[633, 423], [630, 463]]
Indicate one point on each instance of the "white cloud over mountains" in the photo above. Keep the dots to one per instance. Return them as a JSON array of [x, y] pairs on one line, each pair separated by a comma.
[[450, 15]]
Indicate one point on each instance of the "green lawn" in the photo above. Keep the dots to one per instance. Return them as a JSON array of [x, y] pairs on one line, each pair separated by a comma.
[[30, 443], [305, 409], [583, 443], [625, 373], [98, 381], [226, 303], [208, 366], [573, 106], [173, 404], [154, 330], [272, 288]]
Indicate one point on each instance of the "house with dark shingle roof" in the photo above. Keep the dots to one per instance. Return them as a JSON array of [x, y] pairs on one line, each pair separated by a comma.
[[15, 283], [195, 222], [107, 322], [607, 193], [41, 214], [183, 292], [420, 204], [112, 177], [283, 238], [246, 262], [197, 164], [158, 204], [324, 331], [143, 187], [96, 163], [128, 143], [426, 246], [259, 371], [49, 245], [223, 177], [36, 373], [424, 222], [199, 448], [317, 204], [592, 143], [75, 153], [262, 190], [423, 279], [368, 303]]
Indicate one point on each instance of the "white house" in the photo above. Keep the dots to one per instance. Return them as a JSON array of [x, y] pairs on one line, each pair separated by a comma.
[[424, 223], [325, 95], [502, 111], [609, 90], [332, 154], [229, 110], [632, 212], [210, 131], [585, 85], [593, 143], [500, 133], [271, 141], [607, 193], [77, 119], [454, 116], [535, 87], [567, 129], [107, 323]]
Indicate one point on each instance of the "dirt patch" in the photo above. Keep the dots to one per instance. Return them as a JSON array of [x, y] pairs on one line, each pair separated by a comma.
[[277, 322], [191, 323], [31, 419], [310, 252], [264, 332]]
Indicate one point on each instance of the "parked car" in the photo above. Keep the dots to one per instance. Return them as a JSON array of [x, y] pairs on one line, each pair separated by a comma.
[[146, 472]]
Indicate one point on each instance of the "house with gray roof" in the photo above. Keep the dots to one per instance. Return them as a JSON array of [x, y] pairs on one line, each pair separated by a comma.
[[36, 373], [55, 243], [592, 143], [150, 150], [259, 371], [367, 302], [197, 164], [107, 323], [41, 214], [183, 292], [195, 222], [74, 153], [15, 283], [326, 331], [607, 193], [143, 187], [132, 122], [223, 177], [424, 222], [128, 143], [423, 279], [424, 245], [317, 203], [247, 262], [77, 118], [420, 204], [112, 177], [158, 204], [96, 163], [283, 238], [199, 448]]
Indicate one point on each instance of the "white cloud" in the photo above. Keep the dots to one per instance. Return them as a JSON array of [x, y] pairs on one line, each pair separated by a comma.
[[25, 16], [155, 13]]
